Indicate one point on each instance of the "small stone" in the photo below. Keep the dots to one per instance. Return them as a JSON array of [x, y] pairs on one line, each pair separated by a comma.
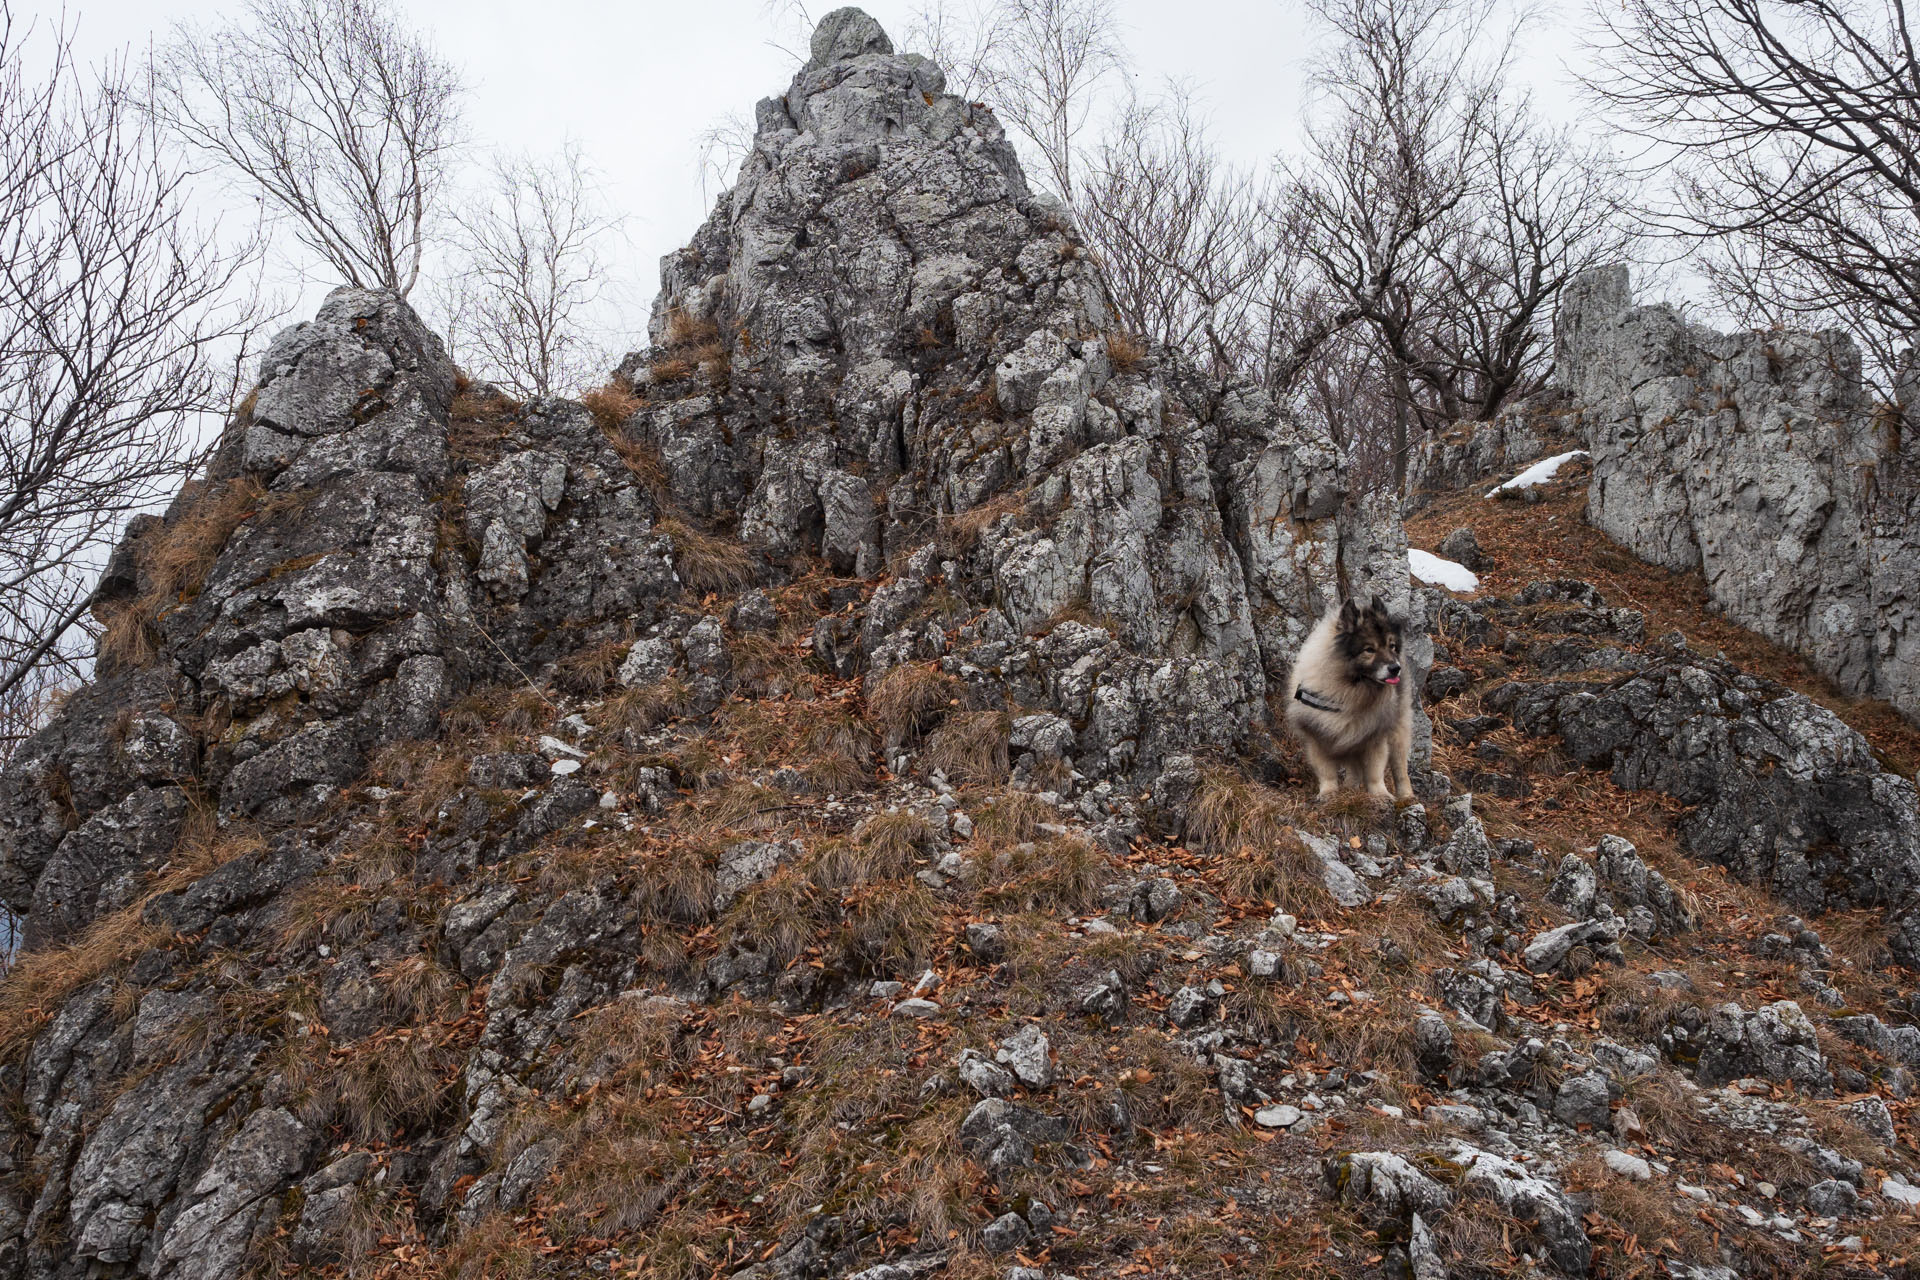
[[886, 990], [1263, 964], [1900, 1191], [1278, 1117], [983, 1076], [760, 1102], [916, 1008], [962, 827], [1027, 1053], [1005, 1233], [1584, 1100], [1627, 1165], [561, 768], [1833, 1198], [1188, 1008], [988, 942]]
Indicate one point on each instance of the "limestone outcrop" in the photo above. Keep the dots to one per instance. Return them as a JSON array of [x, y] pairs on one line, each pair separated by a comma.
[[1762, 460], [882, 343], [883, 361]]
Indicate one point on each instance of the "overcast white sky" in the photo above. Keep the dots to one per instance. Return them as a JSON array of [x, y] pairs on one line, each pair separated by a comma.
[[636, 83]]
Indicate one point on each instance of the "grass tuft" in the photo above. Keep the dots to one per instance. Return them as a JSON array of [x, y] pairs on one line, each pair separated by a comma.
[[707, 563], [912, 698]]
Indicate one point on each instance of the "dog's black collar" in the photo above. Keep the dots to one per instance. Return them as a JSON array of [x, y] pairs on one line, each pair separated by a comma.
[[1317, 702]]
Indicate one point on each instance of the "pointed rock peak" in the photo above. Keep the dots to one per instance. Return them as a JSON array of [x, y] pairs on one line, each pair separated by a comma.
[[846, 34]]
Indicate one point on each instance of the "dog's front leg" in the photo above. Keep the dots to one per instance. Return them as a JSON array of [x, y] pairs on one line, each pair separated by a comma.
[[1325, 767], [1402, 747], [1375, 765]]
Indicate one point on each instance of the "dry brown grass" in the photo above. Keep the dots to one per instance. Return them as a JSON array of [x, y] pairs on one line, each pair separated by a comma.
[[174, 560], [1249, 828], [428, 773], [961, 532], [971, 747], [588, 671], [40, 982], [479, 423], [839, 750], [1009, 818], [496, 1248], [763, 664], [1642, 1219], [684, 329], [892, 843], [386, 1085], [779, 916], [912, 698], [611, 404], [734, 806], [1062, 874], [1125, 351], [639, 710], [707, 563], [887, 928]]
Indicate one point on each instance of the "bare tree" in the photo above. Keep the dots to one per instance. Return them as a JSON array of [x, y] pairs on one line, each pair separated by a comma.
[[1437, 214], [1387, 161], [340, 119], [1181, 239], [1042, 65], [116, 326], [963, 39], [1791, 131], [1541, 209], [531, 268]]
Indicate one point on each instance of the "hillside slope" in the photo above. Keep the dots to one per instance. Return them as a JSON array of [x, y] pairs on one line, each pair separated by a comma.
[[810, 810]]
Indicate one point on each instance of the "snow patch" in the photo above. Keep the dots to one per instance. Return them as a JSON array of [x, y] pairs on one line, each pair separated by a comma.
[[1430, 568], [1540, 472]]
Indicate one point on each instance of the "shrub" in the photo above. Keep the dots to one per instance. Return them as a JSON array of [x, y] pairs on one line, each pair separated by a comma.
[[1125, 351], [611, 405], [174, 560]]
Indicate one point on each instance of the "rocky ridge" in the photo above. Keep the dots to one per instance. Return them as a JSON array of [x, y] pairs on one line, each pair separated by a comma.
[[1762, 460], [805, 812]]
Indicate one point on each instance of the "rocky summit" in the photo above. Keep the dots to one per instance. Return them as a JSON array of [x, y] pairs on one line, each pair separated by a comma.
[[815, 808]]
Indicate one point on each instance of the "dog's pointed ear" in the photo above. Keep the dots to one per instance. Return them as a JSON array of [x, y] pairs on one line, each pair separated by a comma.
[[1349, 616]]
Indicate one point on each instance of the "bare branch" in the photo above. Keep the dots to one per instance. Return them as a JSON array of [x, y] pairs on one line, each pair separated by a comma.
[[116, 321], [340, 119]]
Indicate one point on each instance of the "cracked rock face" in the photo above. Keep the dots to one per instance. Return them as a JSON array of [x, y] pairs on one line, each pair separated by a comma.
[[904, 347], [1781, 791], [881, 351], [1761, 460]]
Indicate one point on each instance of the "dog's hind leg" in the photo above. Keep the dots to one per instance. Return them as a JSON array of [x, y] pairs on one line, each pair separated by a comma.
[[1325, 767], [1398, 751]]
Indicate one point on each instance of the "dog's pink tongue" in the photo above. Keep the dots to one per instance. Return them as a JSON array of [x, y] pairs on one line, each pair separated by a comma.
[[1393, 679]]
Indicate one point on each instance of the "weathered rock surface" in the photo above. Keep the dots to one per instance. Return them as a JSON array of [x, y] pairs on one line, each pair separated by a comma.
[[915, 360], [1779, 789], [1763, 461]]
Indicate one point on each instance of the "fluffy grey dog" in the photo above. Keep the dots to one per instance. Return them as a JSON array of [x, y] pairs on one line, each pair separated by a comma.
[[1346, 702]]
